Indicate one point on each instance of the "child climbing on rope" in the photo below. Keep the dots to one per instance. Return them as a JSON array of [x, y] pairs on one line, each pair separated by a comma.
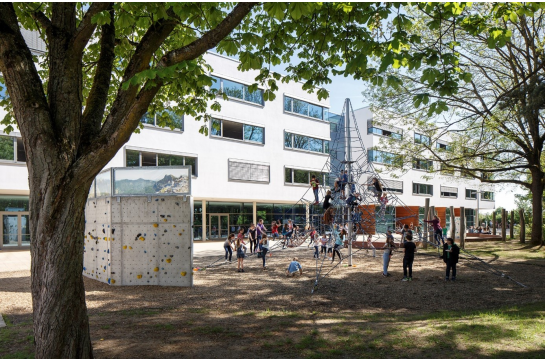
[[315, 187], [451, 253], [376, 188], [344, 181], [437, 229], [388, 248], [294, 267], [240, 255], [409, 249], [228, 246], [328, 210]]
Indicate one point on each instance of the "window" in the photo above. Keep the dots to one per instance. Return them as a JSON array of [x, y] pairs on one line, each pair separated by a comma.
[[377, 131], [426, 165], [487, 195], [471, 194], [384, 157], [449, 192], [237, 90], [164, 119], [443, 146], [304, 108], [446, 170], [307, 143], [422, 139], [422, 189], [302, 177], [246, 171], [12, 149], [143, 158], [237, 131]]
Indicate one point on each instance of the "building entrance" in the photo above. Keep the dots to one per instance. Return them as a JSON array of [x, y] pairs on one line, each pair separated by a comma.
[[218, 226], [15, 230]]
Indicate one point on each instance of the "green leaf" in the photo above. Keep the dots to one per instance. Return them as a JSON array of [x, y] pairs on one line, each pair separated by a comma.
[[276, 9], [298, 10]]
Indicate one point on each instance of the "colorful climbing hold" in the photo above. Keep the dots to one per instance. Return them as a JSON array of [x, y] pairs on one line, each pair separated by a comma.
[[156, 269], [169, 261], [113, 281], [142, 238], [125, 247], [155, 225], [130, 247], [139, 276], [183, 273]]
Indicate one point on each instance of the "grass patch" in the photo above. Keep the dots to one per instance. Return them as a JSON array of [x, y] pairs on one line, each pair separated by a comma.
[[165, 326], [16, 341]]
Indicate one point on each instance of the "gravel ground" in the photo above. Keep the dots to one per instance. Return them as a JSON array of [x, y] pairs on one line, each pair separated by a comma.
[[121, 317]]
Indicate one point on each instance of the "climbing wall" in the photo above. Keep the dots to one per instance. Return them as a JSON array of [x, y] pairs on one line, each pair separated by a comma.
[[139, 240]]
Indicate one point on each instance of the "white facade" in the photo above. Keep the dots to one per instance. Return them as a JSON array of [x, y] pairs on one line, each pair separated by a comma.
[[453, 185], [213, 154]]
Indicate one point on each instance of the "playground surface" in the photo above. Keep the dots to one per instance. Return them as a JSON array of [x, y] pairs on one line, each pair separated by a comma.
[[355, 312]]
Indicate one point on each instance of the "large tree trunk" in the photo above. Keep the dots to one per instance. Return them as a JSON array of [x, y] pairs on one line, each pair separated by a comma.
[[57, 203], [537, 210]]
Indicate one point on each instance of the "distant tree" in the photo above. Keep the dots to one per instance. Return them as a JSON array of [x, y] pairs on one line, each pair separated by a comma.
[[107, 64], [494, 121]]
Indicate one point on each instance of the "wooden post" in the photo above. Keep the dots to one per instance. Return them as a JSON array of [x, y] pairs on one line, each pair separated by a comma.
[[503, 224], [462, 227], [494, 222], [452, 223], [522, 227], [511, 225], [425, 224]]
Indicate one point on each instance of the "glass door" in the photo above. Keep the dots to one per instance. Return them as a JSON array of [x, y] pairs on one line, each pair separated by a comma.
[[218, 226], [15, 229], [10, 230]]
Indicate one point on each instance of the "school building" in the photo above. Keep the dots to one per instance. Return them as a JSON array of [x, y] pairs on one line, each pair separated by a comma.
[[255, 162]]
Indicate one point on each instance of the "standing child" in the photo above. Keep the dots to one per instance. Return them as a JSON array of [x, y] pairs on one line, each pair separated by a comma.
[[323, 241], [406, 232], [240, 236], [317, 243], [370, 245], [228, 246], [338, 243], [252, 237], [274, 230], [240, 256], [285, 233], [315, 186], [437, 230], [451, 253], [312, 236], [388, 251], [408, 258], [264, 248]]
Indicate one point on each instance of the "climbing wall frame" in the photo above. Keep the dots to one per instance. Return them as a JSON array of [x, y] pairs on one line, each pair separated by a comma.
[[139, 240]]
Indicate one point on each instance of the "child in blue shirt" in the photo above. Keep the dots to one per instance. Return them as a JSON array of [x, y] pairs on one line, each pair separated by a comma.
[[294, 267]]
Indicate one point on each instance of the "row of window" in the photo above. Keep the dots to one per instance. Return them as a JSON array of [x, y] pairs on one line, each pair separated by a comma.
[[302, 142], [143, 158], [12, 149], [450, 192], [418, 138], [382, 132]]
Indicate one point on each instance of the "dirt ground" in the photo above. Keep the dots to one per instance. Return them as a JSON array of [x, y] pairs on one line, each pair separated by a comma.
[[230, 314]]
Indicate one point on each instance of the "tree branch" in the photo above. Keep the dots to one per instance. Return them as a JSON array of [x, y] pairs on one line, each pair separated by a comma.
[[98, 95], [44, 22], [86, 27]]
